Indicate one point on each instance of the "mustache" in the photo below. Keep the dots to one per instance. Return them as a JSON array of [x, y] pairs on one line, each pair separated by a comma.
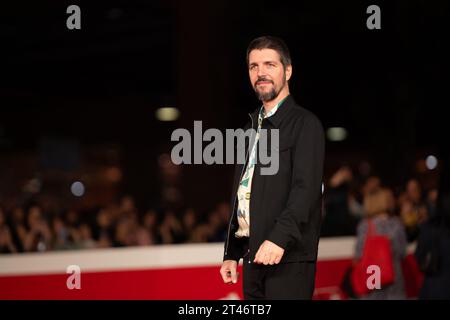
[[263, 80]]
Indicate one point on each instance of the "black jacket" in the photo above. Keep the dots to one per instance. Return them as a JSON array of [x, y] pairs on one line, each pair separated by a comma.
[[285, 208]]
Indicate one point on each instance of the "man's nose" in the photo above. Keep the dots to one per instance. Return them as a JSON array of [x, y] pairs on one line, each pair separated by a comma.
[[261, 72]]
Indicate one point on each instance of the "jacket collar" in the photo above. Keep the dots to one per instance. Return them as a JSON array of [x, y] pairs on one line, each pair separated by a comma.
[[276, 118]]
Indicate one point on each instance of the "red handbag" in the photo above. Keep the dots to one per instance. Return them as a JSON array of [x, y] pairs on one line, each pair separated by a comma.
[[377, 251]]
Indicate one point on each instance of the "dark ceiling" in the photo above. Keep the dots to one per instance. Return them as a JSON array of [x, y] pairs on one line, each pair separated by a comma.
[[103, 82]]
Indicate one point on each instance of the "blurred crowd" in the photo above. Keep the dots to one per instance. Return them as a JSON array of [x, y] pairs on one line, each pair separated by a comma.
[[345, 196], [32, 229]]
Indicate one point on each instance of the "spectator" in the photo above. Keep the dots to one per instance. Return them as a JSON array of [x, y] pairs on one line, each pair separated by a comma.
[[150, 223], [224, 211], [170, 229], [86, 240], [39, 235], [201, 233], [72, 218], [338, 221], [413, 210], [433, 248], [431, 202], [17, 228], [122, 235], [189, 223], [143, 237], [103, 227], [61, 235], [127, 204], [376, 206], [218, 227], [104, 241], [6, 242], [372, 185]]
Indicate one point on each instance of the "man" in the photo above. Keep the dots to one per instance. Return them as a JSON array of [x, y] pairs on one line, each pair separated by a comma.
[[279, 243]]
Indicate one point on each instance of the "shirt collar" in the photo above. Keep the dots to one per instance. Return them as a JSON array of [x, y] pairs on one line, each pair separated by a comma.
[[262, 114]]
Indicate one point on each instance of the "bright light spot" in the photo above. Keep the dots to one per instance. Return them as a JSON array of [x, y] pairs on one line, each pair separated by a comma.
[[77, 189], [167, 114], [336, 134], [323, 187], [431, 162]]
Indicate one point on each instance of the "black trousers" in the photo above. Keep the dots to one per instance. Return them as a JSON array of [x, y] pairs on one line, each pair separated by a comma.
[[287, 281]]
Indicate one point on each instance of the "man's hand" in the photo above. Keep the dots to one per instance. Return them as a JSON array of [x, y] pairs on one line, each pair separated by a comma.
[[228, 271], [269, 253]]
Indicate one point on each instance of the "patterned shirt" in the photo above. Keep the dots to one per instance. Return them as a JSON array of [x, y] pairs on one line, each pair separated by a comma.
[[243, 193]]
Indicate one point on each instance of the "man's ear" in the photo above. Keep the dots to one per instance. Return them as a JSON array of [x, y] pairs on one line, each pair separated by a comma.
[[288, 72]]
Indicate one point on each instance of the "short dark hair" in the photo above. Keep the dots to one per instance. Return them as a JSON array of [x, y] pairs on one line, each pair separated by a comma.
[[274, 43]]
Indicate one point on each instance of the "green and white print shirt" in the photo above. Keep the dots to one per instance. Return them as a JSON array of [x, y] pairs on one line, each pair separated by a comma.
[[243, 193]]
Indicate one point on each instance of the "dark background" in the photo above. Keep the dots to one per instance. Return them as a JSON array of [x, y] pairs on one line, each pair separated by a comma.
[[75, 101]]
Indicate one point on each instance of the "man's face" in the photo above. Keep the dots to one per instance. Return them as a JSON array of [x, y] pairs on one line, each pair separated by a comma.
[[267, 74]]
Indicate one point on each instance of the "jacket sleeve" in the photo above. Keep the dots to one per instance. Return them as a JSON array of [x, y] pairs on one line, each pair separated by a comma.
[[306, 182], [235, 249]]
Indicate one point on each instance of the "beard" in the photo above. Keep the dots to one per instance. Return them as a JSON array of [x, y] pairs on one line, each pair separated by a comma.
[[269, 95], [266, 96]]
